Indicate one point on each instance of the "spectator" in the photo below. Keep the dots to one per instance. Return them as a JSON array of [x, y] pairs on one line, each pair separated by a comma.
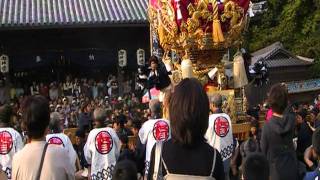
[[56, 137], [304, 133], [277, 137], [44, 90], [316, 149], [125, 152], [187, 154], [28, 163], [158, 76], [252, 145], [256, 167], [102, 148], [153, 130], [79, 145], [85, 117], [8, 136], [119, 126], [34, 89], [219, 133], [53, 91], [125, 170]]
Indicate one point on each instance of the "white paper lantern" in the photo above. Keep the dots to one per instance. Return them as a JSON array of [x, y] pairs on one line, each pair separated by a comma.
[[122, 57], [4, 63], [141, 57]]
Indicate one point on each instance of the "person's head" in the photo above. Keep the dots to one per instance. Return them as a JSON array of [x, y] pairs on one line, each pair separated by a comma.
[[155, 108], [278, 98], [316, 142], [256, 167], [125, 170], [153, 61], [86, 107], [5, 114], [301, 116], [99, 116], [119, 122], [65, 101], [216, 102], [124, 140], [189, 112], [254, 128], [36, 116], [136, 125], [55, 124], [80, 136], [313, 114]]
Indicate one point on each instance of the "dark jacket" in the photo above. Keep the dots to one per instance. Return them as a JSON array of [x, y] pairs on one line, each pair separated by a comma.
[[277, 139], [85, 121], [160, 81], [189, 161], [304, 138]]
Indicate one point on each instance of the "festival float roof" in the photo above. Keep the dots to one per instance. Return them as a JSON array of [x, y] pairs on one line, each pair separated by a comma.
[[62, 13]]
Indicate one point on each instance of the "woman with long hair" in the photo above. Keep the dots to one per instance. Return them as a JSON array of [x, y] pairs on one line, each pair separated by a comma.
[[187, 153]]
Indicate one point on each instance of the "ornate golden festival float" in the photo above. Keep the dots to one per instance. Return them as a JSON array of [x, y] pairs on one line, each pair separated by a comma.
[[195, 36]]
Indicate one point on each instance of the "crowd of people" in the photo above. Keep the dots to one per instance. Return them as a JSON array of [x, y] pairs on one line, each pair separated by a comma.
[[186, 136]]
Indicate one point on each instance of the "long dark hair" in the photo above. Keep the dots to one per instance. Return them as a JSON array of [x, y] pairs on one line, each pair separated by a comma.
[[189, 112]]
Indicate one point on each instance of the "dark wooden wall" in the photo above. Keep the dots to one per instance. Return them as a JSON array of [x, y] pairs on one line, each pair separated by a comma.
[[257, 95], [75, 45]]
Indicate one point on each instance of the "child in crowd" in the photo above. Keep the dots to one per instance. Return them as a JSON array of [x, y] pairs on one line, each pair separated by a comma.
[[256, 167], [125, 170]]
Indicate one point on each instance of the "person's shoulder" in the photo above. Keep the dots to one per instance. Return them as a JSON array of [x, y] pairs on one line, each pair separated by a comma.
[[17, 156], [53, 148], [217, 115], [110, 130], [148, 123], [208, 148]]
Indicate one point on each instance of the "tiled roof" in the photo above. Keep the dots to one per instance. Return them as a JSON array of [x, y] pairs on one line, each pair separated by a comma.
[[287, 62], [264, 52], [268, 55], [24, 13]]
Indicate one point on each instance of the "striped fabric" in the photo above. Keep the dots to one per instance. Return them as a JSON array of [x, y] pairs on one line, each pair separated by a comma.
[[15, 13]]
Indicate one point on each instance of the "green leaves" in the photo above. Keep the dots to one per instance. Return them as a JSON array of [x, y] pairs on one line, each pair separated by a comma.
[[296, 23]]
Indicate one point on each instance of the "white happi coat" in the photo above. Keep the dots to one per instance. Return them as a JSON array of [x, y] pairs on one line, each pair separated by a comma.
[[64, 141], [101, 151], [219, 134], [10, 143], [152, 131]]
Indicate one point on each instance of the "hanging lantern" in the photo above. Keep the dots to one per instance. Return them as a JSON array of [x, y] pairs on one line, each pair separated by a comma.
[[4, 63], [91, 57], [122, 57], [141, 57], [38, 59]]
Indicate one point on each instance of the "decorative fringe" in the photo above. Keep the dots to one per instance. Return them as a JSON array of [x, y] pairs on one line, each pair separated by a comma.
[[217, 34]]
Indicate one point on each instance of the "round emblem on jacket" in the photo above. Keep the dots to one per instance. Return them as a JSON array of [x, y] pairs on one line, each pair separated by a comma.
[[221, 126], [56, 141], [161, 131], [6, 142], [104, 142]]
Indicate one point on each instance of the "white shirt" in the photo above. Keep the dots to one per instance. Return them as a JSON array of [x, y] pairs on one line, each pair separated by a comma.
[[102, 150], [63, 140], [10, 144], [219, 134], [152, 131]]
